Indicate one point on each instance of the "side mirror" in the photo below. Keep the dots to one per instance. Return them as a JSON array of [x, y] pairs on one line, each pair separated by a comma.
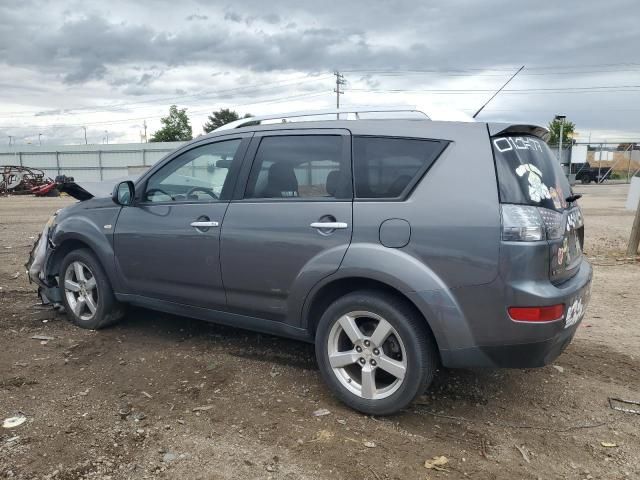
[[223, 164], [124, 193]]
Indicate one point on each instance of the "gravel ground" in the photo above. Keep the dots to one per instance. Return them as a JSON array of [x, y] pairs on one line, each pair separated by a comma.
[[160, 396]]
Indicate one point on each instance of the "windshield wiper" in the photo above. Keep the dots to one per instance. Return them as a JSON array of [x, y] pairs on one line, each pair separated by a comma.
[[573, 198]]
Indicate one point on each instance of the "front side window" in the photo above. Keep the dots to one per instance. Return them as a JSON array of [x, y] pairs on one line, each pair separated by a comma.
[[298, 167], [384, 166], [198, 175]]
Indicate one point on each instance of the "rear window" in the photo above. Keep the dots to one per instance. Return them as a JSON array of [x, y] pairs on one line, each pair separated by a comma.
[[529, 173], [385, 167]]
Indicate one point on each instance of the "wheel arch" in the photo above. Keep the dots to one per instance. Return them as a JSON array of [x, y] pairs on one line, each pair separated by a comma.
[[330, 291], [62, 250], [67, 242]]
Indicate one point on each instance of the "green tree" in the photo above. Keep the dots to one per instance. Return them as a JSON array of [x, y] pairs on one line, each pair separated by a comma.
[[221, 117], [567, 132], [175, 127]]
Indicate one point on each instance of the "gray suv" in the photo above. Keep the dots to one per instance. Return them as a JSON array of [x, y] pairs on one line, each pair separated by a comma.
[[395, 245]]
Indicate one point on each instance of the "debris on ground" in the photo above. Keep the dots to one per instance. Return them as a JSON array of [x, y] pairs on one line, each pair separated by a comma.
[[42, 337], [13, 422], [322, 436], [202, 409], [15, 275], [321, 412], [138, 416], [370, 444], [146, 394], [524, 453], [559, 368], [613, 401], [169, 457], [608, 444], [21, 180], [437, 463]]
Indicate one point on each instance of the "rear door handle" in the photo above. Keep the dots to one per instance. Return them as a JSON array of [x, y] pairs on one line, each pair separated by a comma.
[[204, 224], [329, 225]]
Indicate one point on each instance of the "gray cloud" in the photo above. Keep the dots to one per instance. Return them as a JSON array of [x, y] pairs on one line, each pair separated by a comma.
[[195, 16], [85, 47], [83, 52]]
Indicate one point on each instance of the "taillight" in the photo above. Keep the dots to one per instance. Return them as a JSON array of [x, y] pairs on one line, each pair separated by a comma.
[[537, 314], [525, 223]]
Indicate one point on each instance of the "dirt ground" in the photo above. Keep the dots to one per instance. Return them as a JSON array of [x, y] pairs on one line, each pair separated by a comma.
[[159, 396]]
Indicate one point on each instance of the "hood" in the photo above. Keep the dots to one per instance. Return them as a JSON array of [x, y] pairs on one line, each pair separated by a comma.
[[86, 190]]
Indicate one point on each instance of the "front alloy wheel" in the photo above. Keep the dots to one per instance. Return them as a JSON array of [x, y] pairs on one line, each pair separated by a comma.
[[81, 290], [367, 355]]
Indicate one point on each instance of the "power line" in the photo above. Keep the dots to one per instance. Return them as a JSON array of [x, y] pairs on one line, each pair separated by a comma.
[[193, 112], [199, 95], [487, 69], [605, 88], [404, 73]]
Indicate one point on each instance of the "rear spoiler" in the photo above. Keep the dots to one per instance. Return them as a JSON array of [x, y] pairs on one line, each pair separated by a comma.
[[506, 128]]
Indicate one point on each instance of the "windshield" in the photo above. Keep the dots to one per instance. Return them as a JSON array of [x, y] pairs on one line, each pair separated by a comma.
[[528, 173]]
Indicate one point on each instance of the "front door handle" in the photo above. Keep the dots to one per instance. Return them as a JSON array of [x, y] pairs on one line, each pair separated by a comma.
[[204, 224], [329, 225]]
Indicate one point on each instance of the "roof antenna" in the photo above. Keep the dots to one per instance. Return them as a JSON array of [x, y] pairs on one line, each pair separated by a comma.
[[499, 90]]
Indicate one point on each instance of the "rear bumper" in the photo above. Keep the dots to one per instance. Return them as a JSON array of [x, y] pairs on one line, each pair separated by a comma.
[[485, 335], [523, 355]]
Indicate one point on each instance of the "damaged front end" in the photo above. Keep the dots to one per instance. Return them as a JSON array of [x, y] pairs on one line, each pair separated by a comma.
[[39, 256]]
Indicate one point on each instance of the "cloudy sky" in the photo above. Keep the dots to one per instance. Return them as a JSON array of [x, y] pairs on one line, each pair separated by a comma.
[[111, 66]]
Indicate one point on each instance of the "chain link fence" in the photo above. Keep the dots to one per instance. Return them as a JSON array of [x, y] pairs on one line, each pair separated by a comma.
[[607, 160]]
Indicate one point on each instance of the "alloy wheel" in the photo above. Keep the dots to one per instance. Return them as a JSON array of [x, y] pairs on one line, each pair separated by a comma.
[[81, 290], [367, 355]]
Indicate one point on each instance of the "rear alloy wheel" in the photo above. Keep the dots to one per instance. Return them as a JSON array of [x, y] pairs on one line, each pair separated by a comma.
[[366, 355], [87, 294], [375, 352]]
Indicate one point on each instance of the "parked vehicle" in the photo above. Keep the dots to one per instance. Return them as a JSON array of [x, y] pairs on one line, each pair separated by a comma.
[[395, 245], [585, 173]]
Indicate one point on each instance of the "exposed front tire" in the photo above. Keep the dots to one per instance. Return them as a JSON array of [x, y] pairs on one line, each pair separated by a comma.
[[374, 352], [86, 291]]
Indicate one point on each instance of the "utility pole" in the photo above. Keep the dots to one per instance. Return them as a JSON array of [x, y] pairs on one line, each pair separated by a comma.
[[39, 139], [106, 132], [10, 139], [339, 82], [634, 239], [561, 119], [85, 135], [144, 124]]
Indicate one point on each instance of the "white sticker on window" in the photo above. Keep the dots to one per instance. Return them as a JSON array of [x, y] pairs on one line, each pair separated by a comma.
[[538, 191]]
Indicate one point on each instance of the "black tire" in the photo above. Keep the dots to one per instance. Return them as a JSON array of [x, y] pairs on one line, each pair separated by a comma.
[[585, 180], [421, 350], [108, 310]]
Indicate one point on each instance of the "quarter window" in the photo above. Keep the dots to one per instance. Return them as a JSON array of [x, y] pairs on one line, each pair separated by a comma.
[[198, 175], [384, 167], [298, 167]]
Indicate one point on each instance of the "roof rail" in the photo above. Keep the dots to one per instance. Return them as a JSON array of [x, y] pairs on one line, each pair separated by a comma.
[[311, 113]]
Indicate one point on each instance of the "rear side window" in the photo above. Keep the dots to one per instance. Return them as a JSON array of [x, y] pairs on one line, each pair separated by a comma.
[[300, 166], [529, 173], [386, 167]]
